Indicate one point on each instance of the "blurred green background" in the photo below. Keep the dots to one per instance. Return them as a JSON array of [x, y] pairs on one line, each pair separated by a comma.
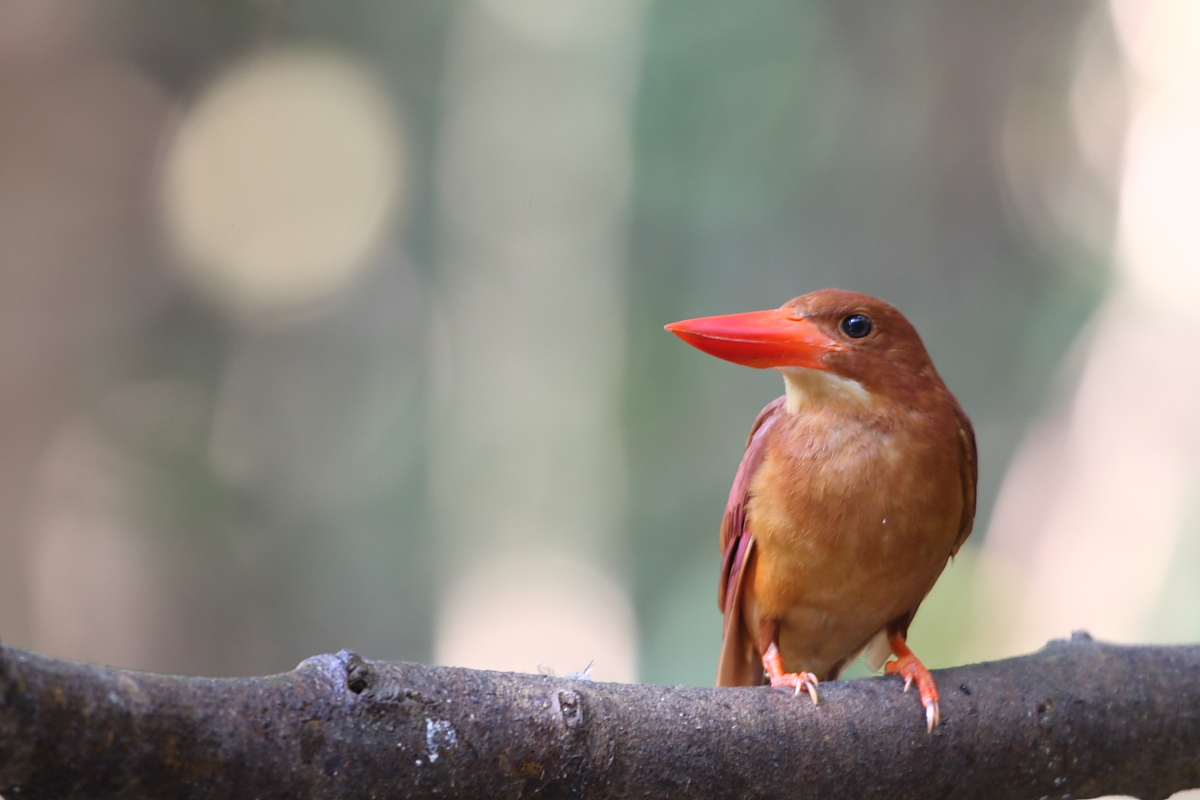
[[340, 325]]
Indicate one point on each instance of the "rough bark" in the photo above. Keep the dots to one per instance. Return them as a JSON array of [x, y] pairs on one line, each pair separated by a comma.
[[1077, 719]]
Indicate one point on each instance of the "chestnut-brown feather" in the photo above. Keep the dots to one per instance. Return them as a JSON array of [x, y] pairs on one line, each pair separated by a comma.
[[850, 503]]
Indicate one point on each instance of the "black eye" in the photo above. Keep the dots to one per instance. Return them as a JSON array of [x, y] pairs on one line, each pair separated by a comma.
[[856, 326]]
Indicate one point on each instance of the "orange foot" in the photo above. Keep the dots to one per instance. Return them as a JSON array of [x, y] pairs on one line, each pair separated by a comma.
[[908, 665], [773, 664]]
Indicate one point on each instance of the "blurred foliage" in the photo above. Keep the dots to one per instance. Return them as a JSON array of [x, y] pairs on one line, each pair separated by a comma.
[[778, 147]]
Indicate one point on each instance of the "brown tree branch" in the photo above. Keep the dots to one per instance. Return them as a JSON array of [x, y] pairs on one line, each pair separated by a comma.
[[1077, 719]]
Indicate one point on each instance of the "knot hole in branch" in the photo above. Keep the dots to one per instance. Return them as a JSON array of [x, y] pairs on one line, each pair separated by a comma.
[[570, 708], [359, 674]]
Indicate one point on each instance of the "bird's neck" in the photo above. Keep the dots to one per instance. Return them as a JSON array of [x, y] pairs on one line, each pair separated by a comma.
[[808, 388]]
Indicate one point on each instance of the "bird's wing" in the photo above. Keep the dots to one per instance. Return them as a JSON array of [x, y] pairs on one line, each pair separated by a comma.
[[968, 471], [735, 538], [739, 664], [969, 475]]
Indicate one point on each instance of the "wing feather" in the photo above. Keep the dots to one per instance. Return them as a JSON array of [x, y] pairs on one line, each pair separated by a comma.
[[739, 665], [969, 477], [734, 535]]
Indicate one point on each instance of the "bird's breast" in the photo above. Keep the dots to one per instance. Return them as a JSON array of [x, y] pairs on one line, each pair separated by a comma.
[[854, 516]]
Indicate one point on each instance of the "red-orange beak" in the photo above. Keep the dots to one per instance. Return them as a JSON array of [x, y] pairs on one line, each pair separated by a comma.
[[762, 339]]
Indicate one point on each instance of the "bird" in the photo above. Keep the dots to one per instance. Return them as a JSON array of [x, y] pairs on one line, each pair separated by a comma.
[[856, 489]]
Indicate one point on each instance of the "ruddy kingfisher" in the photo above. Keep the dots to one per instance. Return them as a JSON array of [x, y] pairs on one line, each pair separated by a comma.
[[856, 488]]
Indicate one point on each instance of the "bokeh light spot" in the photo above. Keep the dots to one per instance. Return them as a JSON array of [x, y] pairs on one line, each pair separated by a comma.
[[539, 611], [282, 180]]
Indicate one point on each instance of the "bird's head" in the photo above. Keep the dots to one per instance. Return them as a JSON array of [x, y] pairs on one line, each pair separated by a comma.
[[826, 342]]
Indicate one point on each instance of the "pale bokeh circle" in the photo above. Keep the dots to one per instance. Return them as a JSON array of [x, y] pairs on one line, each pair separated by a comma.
[[282, 180], [539, 611]]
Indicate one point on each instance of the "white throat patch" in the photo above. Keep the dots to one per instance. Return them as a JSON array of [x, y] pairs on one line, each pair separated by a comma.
[[807, 388]]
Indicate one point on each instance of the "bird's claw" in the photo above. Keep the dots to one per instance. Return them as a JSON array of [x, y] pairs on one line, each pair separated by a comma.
[[911, 668], [773, 664], [798, 680]]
